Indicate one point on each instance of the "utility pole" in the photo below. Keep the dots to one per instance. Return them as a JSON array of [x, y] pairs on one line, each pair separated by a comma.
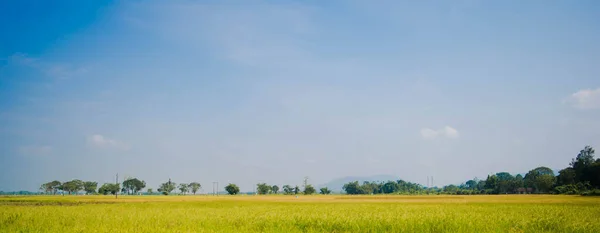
[[117, 185]]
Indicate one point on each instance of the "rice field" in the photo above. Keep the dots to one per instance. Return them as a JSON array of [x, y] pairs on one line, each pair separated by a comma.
[[510, 213]]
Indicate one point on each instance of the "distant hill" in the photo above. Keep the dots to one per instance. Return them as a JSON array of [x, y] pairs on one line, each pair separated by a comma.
[[337, 184]]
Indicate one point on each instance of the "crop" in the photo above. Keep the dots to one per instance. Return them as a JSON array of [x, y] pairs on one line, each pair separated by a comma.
[[278, 213]]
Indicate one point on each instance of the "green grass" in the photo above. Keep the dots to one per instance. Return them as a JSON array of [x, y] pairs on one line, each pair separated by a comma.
[[516, 213]]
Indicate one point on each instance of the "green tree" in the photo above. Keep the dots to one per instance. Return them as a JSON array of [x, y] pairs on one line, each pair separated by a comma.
[[309, 189], [275, 189], [263, 188], [73, 186], [232, 189], [296, 190], [195, 186], [353, 188], [471, 184], [184, 188], [90, 187], [491, 184], [109, 188], [324, 191], [505, 183], [288, 190], [582, 162], [133, 185], [566, 176], [541, 179], [168, 187], [149, 191], [390, 187]]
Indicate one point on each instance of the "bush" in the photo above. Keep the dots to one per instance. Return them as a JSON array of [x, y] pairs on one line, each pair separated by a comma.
[[595, 192]]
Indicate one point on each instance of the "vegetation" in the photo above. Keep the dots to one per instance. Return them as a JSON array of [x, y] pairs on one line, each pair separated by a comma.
[[581, 177], [232, 189], [280, 213]]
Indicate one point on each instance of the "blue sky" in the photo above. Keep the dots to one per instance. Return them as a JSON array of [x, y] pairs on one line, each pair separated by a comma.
[[273, 91]]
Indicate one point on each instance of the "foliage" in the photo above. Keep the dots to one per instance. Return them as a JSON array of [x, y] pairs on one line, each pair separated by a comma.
[[133, 185], [167, 188], [263, 188], [309, 190], [288, 190], [275, 189], [194, 186], [184, 188], [109, 188], [90, 187], [232, 189], [324, 191]]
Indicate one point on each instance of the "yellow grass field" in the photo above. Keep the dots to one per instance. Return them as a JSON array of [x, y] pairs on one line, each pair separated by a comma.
[[511, 213]]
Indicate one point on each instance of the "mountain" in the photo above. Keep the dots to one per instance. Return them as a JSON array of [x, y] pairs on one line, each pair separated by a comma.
[[337, 184]]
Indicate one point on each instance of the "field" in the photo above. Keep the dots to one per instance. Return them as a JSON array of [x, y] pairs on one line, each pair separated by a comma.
[[511, 213]]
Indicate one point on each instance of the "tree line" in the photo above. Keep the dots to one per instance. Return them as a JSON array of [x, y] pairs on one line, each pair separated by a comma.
[[582, 176]]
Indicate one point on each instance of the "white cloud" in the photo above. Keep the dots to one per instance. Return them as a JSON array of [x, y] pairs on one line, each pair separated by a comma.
[[585, 99], [35, 150], [447, 132], [100, 141]]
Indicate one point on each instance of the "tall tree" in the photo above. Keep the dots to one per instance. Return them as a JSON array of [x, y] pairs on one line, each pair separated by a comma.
[[541, 179], [168, 187], [309, 189], [183, 187], [288, 190], [133, 185], [584, 160], [275, 189], [566, 176], [232, 189], [263, 188], [90, 187], [195, 186]]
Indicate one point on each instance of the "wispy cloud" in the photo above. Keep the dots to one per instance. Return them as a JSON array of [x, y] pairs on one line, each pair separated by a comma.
[[447, 132], [585, 99], [101, 141]]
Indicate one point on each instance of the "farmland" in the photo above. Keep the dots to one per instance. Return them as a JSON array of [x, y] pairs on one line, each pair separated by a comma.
[[317, 213]]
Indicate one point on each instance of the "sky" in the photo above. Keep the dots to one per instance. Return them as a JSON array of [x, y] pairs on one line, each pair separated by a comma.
[[274, 91]]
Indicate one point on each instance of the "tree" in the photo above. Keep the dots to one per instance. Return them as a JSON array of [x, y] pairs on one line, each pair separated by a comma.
[[566, 176], [263, 188], [133, 185], [582, 162], [491, 184], [353, 188], [232, 189], [309, 189], [109, 188], [194, 186], [72, 186], [168, 187], [296, 190], [505, 183], [90, 187], [541, 179], [275, 189], [184, 188], [325, 191], [471, 184], [149, 191], [390, 187], [287, 189]]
